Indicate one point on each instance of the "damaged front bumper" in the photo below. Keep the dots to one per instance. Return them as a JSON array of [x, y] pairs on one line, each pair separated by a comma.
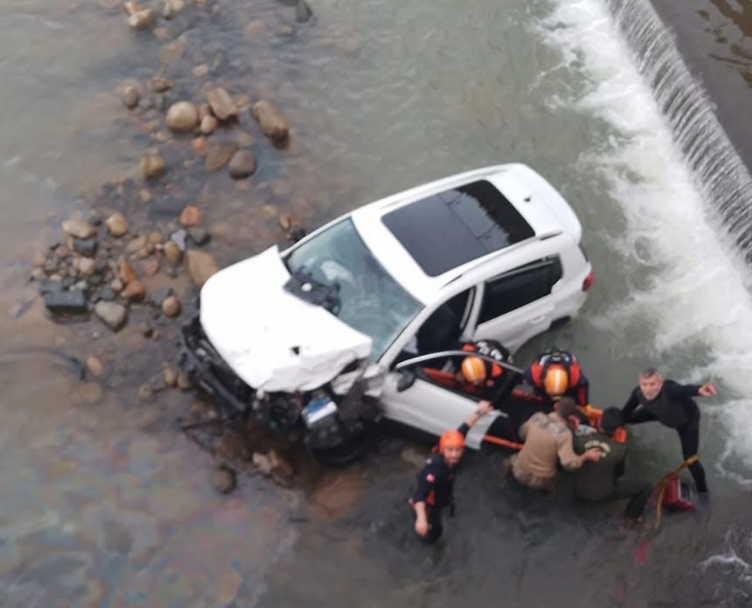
[[200, 360]]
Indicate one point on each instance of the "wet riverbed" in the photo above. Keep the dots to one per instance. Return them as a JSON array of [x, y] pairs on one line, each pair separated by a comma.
[[105, 503]]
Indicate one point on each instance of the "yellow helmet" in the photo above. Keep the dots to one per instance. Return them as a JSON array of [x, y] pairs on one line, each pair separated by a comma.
[[474, 369]]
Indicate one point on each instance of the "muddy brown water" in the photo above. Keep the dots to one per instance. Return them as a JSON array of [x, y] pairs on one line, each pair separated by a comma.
[[104, 503]]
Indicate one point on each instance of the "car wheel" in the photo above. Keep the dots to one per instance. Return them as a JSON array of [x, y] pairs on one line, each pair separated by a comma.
[[354, 447]]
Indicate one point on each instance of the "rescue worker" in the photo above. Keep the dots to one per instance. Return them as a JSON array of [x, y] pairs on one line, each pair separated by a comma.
[[600, 481], [435, 484], [671, 404], [481, 374], [557, 373], [548, 441]]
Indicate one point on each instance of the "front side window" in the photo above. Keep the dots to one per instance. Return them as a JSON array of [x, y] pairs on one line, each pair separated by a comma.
[[520, 287], [371, 301]]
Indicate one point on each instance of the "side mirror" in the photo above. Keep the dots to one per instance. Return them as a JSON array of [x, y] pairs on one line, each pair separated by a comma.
[[406, 380]]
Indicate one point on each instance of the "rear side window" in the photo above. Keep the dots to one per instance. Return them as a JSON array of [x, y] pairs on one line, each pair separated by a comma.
[[519, 287]]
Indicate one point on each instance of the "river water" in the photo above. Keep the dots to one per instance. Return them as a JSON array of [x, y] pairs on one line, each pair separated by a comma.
[[105, 504]]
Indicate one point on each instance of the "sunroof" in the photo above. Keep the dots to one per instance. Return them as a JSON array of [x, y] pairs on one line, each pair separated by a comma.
[[456, 226]]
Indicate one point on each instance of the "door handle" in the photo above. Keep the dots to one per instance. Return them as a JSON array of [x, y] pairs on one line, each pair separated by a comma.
[[538, 320]]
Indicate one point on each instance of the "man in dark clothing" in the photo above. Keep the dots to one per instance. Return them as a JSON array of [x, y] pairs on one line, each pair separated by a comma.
[[434, 491], [598, 481], [557, 373], [671, 404]]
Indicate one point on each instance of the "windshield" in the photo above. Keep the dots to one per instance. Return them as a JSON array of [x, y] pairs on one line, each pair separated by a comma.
[[370, 300]]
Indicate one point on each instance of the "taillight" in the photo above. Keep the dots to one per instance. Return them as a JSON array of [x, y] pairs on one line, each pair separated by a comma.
[[588, 282]]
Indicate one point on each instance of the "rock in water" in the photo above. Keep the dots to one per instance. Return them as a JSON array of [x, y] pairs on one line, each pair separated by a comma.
[[143, 20], [199, 235], [200, 266], [191, 216], [273, 123], [131, 97], [79, 229], [219, 155], [182, 116], [242, 164], [222, 104], [303, 12], [223, 480], [113, 315], [117, 224], [65, 302], [86, 247], [152, 165], [171, 306], [173, 253]]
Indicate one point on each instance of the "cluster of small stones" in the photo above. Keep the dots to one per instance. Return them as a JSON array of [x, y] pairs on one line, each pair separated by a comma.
[[101, 265]]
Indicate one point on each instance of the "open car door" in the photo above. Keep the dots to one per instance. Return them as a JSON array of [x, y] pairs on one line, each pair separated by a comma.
[[423, 393]]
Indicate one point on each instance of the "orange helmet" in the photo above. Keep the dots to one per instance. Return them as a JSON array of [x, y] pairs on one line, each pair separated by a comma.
[[451, 439], [474, 369], [556, 381]]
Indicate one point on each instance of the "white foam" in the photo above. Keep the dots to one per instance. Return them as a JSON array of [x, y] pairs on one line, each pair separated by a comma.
[[697, 291]]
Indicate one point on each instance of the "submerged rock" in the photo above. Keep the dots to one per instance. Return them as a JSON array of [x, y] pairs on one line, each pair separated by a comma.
[[223, 479], [219, 155], [303, 12], [95, 366], [273, 123], [143, 20], [159, 84], [199, 235], [172, 8], [152, 165], [131, 96], [86, 247], [242, 164]]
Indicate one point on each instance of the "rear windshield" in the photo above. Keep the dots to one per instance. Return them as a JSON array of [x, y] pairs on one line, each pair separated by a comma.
[[456, 226]]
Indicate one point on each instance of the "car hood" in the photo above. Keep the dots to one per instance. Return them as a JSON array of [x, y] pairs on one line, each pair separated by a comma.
[[271, 339]]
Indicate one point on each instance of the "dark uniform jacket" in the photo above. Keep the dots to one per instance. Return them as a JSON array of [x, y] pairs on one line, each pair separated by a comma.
[[596, 480], [435, 482], [673, 406]]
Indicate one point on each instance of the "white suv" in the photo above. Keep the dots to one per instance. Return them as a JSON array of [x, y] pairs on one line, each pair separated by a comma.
[[300, 336]]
